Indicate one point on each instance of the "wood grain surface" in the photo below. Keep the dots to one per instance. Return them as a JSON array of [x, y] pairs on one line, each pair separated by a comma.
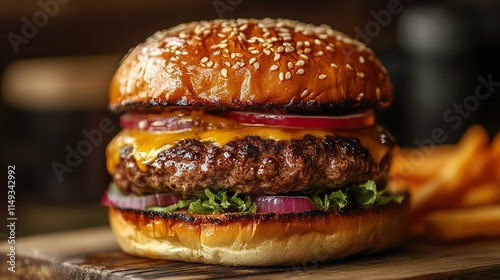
[[93, 254]]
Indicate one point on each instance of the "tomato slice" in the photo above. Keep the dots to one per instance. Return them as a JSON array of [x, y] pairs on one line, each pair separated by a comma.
[[356, 120], [280, 203]]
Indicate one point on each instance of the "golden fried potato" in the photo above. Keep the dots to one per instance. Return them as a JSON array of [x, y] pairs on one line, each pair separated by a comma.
[[464, 223]]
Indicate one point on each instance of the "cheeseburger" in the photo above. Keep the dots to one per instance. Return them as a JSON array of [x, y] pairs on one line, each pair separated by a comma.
[[252, 142]]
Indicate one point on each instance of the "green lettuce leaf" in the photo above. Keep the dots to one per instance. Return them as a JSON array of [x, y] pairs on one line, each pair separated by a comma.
[[219, 203], [362, 196], [179, 205], [356, 196]]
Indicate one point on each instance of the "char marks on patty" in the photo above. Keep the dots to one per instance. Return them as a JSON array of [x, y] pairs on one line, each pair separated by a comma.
[[253, 165]]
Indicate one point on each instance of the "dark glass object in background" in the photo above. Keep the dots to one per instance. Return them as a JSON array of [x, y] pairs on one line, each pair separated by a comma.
[[446, 59]]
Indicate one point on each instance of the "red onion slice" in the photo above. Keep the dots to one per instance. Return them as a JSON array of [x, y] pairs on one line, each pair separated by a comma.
[[284, 204], [114, 198]]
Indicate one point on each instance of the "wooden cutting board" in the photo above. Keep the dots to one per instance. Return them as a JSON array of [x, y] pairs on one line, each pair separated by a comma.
[[94, 254]]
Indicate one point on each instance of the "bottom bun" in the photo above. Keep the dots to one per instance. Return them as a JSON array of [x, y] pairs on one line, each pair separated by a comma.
[[259, 239]]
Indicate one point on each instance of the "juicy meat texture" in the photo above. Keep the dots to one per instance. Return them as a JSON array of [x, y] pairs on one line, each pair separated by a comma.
[[253, 165]]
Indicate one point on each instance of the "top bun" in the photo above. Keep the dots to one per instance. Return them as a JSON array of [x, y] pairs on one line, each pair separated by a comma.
[[250, 64]]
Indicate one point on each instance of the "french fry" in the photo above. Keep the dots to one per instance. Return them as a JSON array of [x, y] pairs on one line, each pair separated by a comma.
[[450, 177], [413, 164], [455, 189], [484, 194], [464, 223], [494, 162]]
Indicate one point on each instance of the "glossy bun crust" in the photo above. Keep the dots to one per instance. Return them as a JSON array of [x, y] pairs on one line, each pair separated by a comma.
[[262, 239], [250, 64]]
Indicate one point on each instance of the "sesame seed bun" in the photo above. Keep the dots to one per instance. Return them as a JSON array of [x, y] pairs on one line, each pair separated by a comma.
[[260, 239], [250, 64]]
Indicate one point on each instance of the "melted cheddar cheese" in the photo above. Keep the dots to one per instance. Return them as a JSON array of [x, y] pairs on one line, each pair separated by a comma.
[[146, 145]]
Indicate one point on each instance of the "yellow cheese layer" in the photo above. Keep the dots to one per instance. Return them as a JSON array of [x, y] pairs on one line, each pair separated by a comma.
[[147, 145]]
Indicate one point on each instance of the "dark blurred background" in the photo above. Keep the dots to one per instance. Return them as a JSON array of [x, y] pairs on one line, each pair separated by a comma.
[[58, 56]]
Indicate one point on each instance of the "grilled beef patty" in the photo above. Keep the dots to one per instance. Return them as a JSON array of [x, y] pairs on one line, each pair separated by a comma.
[[253, 165]]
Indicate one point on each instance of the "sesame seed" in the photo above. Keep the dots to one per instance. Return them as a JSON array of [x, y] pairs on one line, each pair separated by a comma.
[[317, 41], [242, 36], [307, 43], [170, 70], [361, 59], [303, 56], [334, 65], [288, 75], [281, 76], [204, 60], [222, 45], [178, 52], [300, 71], [289, 49], [360, 74], [210, 64], [322, 77], [290, 64], [242, 63], [320, 53], [349, 66], [300, 63], [256, 65], [307, 50], [277, 57], [273, 67], [361, 95], [304, 93], [281, 49], [227, 63], [252, 60], [243, 27], [266, 51], [224, 72], [323, 36], [255, 52], [238, 54], [206, 32]]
